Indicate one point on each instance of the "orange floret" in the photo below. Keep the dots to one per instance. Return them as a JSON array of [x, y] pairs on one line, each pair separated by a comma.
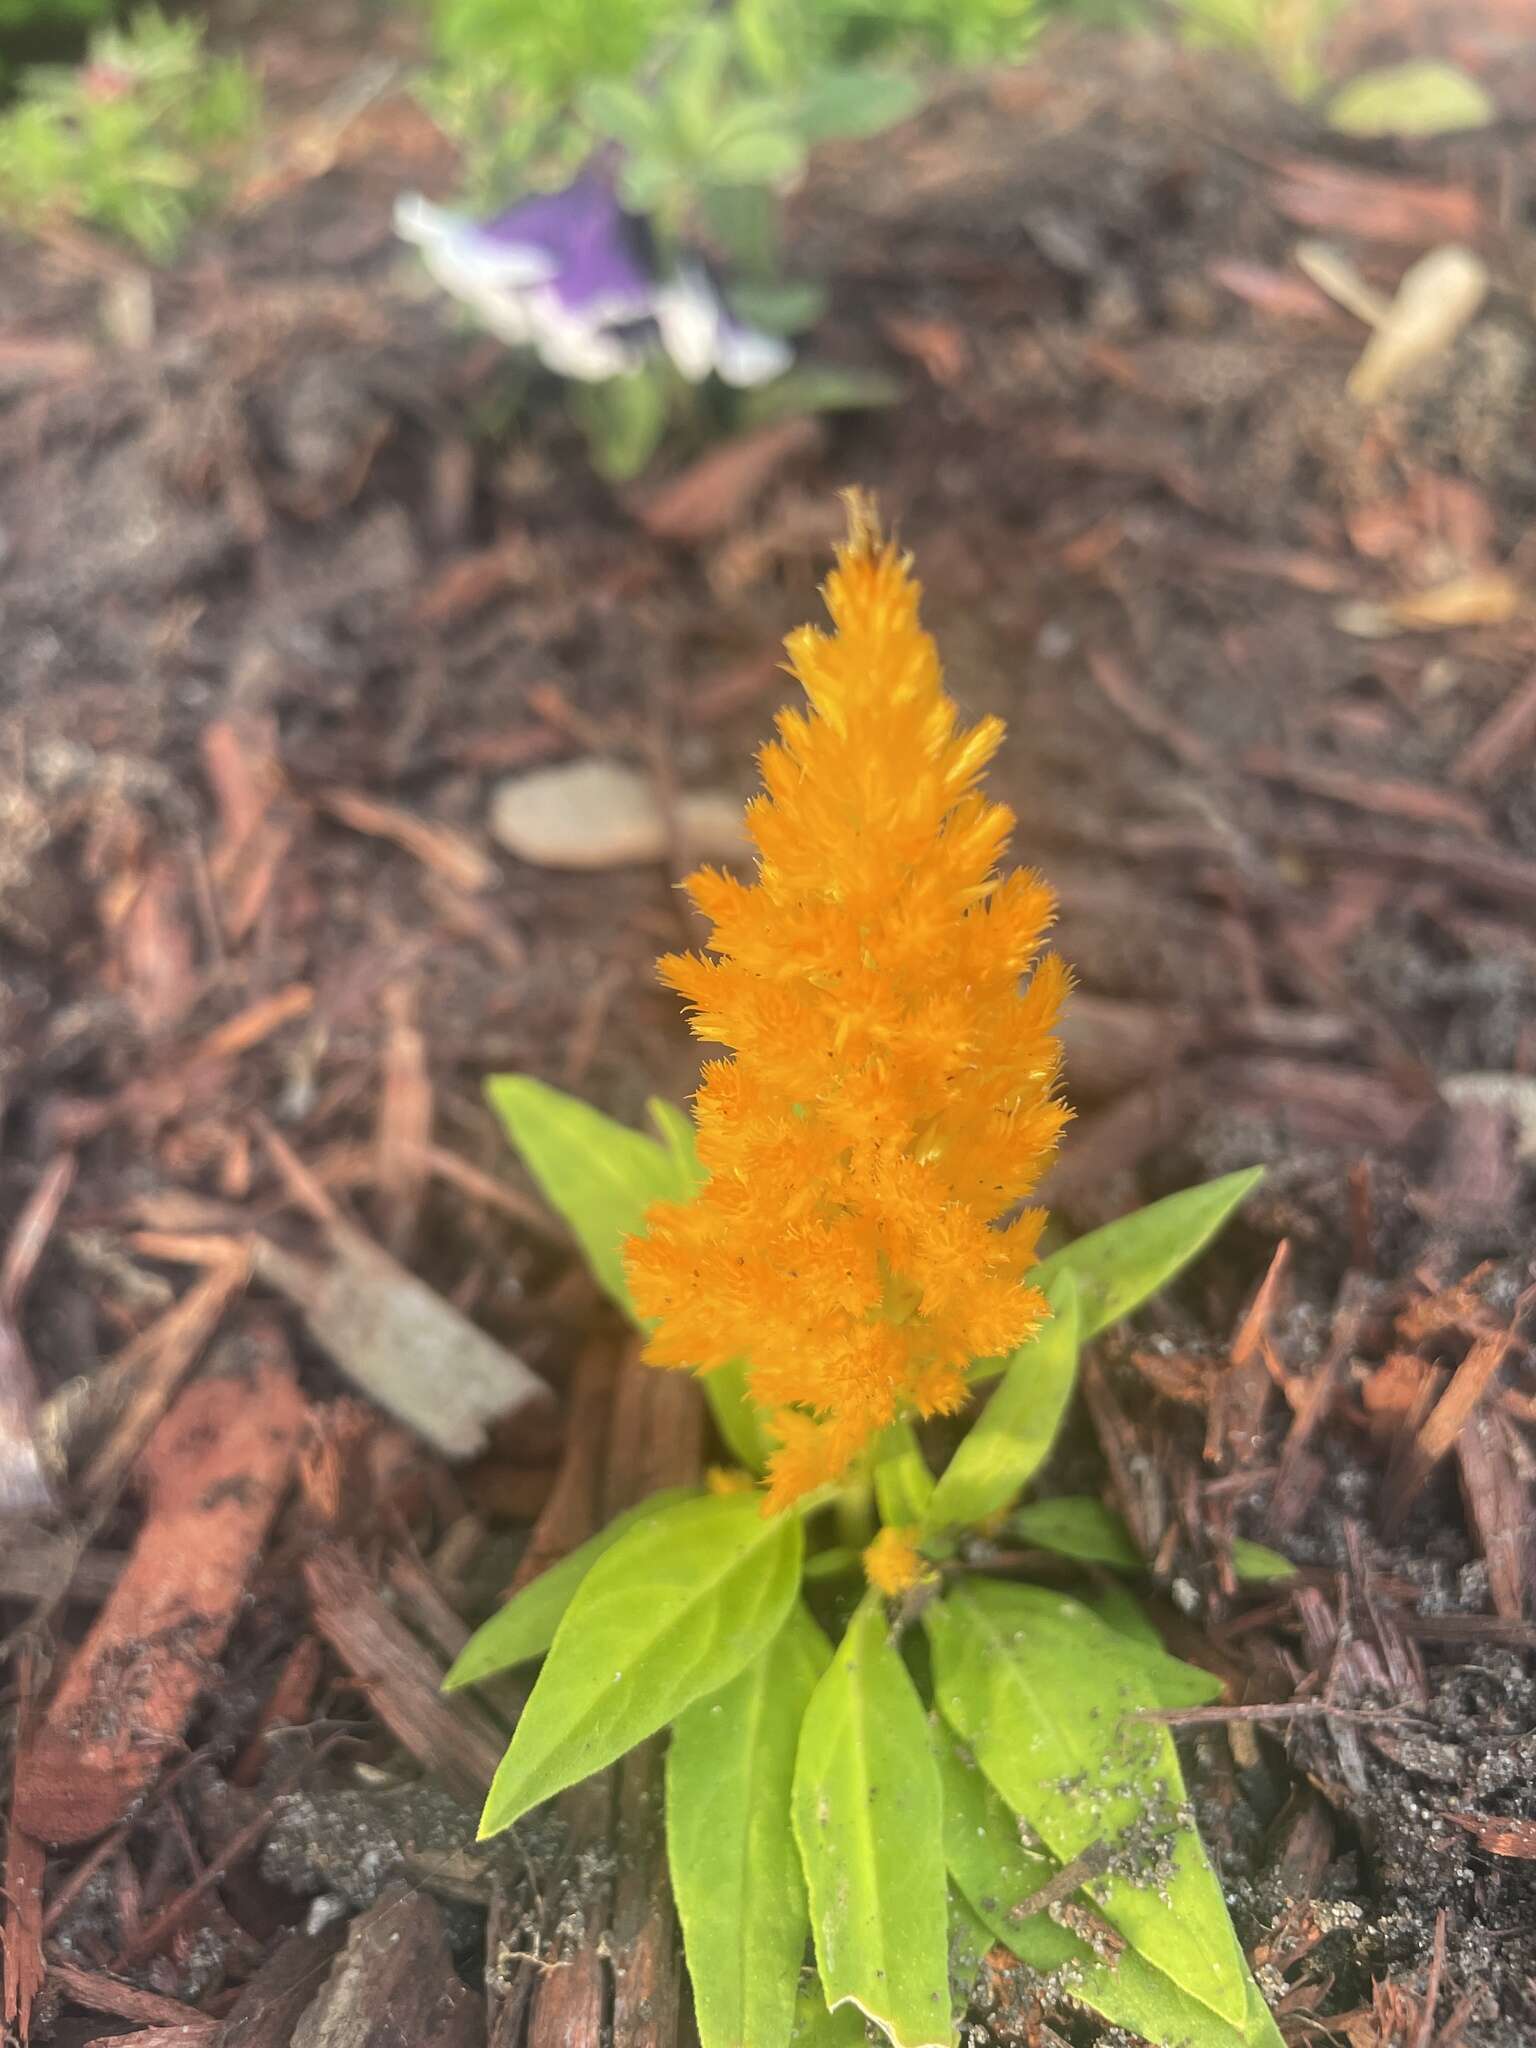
[[893, 1564], [892, 1093]]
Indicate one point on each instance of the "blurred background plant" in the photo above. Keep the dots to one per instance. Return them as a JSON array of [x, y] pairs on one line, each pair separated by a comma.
[[132, 140], [1289, 39]]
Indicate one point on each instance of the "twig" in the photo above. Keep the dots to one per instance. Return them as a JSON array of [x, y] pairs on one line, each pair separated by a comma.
[[1091, 1863]]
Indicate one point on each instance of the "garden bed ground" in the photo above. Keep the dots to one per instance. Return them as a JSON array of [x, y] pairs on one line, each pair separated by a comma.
[[285, 599]]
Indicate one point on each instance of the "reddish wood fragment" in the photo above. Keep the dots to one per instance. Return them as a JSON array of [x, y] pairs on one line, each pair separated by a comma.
[[1382, 796], [1498, 1507], [152, 1367], [711, 494], [1315, 193], [98, 1992], [252, 1025], [196, 2033], [1440, 1429], [214, 1474], [287, 1706], [1500, 746], [450, 854], [395, 1983], [25, 1861], [272, 2001], [399, 1675], [1498, 1833], [404, 1123]]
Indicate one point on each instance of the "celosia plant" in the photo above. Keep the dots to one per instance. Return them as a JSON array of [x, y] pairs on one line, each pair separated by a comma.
[[884, 1743]]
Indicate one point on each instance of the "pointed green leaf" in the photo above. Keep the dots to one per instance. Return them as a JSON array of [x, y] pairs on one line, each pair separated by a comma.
[[811, 387], [969, 1942], [815, 2027], [526, 1626], [1044, 1695], [1257, 1562], [597, 1174], [1077, 1526], [623, 419], [1118, 1608], [737, 1418], [995, 1873], [680, 1604], [868, 1821], [1119, 1267], [1422, 97], [856, 102], [1012, 1436], [675, 1128], [730, 1847], [903, 1483]]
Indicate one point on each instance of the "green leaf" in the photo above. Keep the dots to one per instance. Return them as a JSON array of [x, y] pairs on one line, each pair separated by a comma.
[[682, 1603], [995, 1873], [1414, 99], [787, 306], [1012, 1436], [1118, 1608], [599, 1175], [856, 103], [903, 1483], [970, 1939], [1119, 1267], [1083, 1528], [1257, 1562], [737, 1418], [869, 1823], [1043, 1693], [730, 1845], [815, 2027], [1077, 1526], [675, 1127], [818, 387], [623, 419], [526, 1626], [692, 87], [620, 110], [754, 148]]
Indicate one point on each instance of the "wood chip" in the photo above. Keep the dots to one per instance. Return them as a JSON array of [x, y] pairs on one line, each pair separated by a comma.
[[1500, 746], [1499, 1834], [399, 1675], [451, 855], [272, 2001], [213, 1474], [1438, 1433], [25, 1864], [1382, 796], [712, 495], [407, 1348], [394, 1983], [142, 1379]]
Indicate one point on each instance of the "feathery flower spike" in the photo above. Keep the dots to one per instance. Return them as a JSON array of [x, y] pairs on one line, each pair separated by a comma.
[[892, 1093]]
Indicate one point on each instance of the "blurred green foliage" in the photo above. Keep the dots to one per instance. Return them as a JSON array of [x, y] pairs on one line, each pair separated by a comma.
[[130, 141], [702, 97]]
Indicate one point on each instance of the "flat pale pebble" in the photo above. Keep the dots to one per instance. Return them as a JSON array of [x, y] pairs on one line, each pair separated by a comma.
[[595, 814]]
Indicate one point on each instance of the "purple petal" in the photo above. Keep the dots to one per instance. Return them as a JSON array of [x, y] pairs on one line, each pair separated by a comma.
[[598, 253]]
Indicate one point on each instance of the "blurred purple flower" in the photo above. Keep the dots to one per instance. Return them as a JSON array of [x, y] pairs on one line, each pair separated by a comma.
[[570, 275]]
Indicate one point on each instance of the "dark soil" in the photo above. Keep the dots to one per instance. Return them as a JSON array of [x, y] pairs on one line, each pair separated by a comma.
[[275, 492]]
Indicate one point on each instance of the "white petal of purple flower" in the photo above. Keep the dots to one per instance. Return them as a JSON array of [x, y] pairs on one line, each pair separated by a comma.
[[568, 274]]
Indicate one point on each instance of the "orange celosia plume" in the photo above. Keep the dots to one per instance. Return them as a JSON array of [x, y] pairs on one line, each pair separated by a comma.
[[892, 1093]]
